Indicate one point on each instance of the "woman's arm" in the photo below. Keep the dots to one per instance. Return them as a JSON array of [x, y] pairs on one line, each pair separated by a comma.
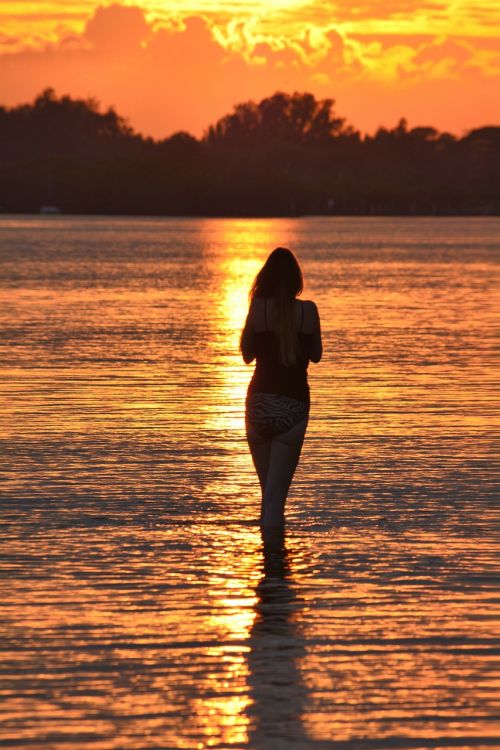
[[247, 340], [317, 345]]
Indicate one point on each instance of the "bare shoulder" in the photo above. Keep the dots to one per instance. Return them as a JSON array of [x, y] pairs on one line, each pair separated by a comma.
[[310, 308], [311, 315]]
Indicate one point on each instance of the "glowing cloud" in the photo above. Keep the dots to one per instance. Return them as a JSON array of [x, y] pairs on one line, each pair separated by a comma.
[[180, 65]]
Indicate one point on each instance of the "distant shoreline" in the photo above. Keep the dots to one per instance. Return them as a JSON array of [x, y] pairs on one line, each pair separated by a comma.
[[62, 215], [289, 155]]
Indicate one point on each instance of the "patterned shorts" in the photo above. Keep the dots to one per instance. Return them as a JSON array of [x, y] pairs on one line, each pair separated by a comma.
[[271, 415]]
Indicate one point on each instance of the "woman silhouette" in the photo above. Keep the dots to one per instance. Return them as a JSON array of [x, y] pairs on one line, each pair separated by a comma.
[[282, 334]]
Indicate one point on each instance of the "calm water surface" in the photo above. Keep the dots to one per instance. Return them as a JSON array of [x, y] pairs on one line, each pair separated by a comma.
[[140, 607]]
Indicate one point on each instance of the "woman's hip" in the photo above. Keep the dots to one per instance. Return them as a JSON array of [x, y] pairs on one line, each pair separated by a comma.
[[272, 415]]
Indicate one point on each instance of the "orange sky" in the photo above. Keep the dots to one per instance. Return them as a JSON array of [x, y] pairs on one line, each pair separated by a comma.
[[173, 65]]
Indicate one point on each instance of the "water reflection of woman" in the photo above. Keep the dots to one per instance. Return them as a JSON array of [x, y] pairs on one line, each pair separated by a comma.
[[277, 646], [283, 335]]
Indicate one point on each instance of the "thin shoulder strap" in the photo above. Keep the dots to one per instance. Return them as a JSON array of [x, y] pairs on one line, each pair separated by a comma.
[[265, 311], [301, 316]]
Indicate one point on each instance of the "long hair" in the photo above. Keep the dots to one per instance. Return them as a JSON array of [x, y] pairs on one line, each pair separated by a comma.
[[281, 278]]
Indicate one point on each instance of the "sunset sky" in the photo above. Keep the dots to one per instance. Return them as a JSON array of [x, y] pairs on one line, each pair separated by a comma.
[[170, 65]]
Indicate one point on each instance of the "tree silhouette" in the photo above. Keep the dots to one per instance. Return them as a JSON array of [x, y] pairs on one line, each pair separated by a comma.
[[288, 154], [281, 118]]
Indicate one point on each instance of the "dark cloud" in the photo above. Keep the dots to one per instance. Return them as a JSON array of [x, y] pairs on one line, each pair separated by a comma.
[[117, 27]]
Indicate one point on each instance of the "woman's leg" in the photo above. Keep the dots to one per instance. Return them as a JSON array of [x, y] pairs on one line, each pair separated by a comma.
[[260, 448], [283, 459]]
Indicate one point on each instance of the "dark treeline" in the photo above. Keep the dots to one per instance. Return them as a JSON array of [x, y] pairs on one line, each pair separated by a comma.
[[287, 155]]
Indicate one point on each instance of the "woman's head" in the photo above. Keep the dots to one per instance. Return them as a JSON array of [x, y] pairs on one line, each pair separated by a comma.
[[280, 276]]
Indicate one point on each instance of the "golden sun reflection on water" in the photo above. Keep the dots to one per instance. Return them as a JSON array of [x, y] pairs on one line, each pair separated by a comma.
[[222, 713], [235, 267], [233, 598], [224, 717], [236, 275]]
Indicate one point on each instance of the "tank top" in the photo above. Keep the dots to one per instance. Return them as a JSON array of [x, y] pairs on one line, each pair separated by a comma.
[[270, 374]]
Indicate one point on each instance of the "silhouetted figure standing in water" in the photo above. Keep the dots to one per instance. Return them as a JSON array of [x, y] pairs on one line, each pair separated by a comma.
[[282, 334]]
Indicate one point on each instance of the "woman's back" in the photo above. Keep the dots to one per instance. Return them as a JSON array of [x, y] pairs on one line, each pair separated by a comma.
[[271, 374], [264, 314], [263, 317]]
